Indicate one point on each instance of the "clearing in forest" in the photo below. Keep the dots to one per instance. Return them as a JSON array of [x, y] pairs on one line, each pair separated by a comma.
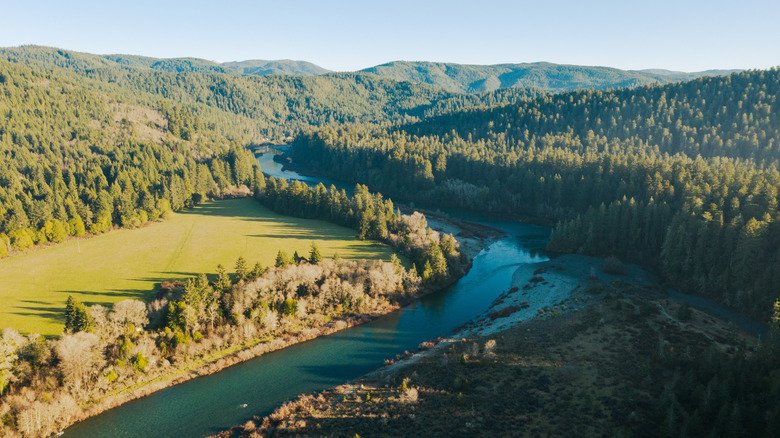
[[129, 263]]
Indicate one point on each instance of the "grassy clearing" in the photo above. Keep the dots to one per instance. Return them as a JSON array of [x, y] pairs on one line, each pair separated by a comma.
[[129, 263]]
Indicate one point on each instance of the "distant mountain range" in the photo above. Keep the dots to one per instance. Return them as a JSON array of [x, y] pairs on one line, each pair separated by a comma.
[[459, 78]]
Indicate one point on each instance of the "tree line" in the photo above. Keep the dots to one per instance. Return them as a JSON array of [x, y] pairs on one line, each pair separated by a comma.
[[435, 257]]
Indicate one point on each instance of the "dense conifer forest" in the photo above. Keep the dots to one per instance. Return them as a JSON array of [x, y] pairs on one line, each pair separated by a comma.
[[254, 108], [76, 160], [554, 78], [682, 177]]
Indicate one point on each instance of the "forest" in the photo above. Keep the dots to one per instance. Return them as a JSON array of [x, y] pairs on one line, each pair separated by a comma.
[[252, 108], [76, 161], [554, 78], [680, 177]]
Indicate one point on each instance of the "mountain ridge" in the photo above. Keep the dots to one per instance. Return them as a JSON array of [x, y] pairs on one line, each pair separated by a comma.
[[453, 77], [547, 76]]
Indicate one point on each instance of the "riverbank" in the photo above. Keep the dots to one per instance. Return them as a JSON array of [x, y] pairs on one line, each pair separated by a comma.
[[217, 361], [593, 359]]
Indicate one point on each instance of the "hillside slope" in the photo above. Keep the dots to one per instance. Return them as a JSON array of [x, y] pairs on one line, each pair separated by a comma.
[[553, 78], [261, 67], [683, 177], [276, 106]]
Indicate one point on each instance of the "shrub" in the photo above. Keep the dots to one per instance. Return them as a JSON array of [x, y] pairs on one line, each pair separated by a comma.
[[179, 338], [163, 349], [126, 349], [140, 362], [289, 307], [20, 239], [409, 396], [76, 227], [3, 246]]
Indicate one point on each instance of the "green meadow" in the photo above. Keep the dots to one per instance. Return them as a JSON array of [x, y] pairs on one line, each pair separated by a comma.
[[130, 263]]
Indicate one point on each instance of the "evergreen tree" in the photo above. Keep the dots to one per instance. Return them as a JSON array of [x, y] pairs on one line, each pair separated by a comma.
[[282, 259], [223, 284], [77, 316], [242, 270], [314, 254]]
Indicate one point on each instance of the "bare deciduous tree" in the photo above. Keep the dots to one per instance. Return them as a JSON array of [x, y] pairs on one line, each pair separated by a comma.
[[100, 316], [129, 312], [8, 356], [79, 355]]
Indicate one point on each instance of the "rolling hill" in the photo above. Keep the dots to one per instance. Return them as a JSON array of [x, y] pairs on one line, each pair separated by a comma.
[[260, 67], [553, 78]]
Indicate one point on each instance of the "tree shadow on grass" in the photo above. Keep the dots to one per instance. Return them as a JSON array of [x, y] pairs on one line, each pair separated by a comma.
[[238, 208], [41, 309], [129, 293], [241, 209], [301, 235]]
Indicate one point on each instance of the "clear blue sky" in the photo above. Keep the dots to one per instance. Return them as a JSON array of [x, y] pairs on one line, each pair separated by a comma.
[[348, 35]]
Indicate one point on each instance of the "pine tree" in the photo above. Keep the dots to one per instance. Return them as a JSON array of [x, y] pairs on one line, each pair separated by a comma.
[[257, 270], [77, 317], [428, 274], [282, 259], [242, 270], [314, 254], [70, 311], [223, 283]]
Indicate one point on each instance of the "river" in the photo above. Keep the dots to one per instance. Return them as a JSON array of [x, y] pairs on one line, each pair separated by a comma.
[[207, 405]]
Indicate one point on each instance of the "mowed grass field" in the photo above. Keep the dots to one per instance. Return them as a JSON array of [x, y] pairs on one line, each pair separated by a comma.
[[130, 263]]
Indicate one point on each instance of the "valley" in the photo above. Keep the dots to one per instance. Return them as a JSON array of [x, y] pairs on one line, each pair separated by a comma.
[[255, 248]]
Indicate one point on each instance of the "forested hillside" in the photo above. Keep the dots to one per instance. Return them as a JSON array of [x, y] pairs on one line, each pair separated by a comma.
[[75, 159], [682, 176], [246, 108], [91, 142], [542, 75], [261, 67]]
